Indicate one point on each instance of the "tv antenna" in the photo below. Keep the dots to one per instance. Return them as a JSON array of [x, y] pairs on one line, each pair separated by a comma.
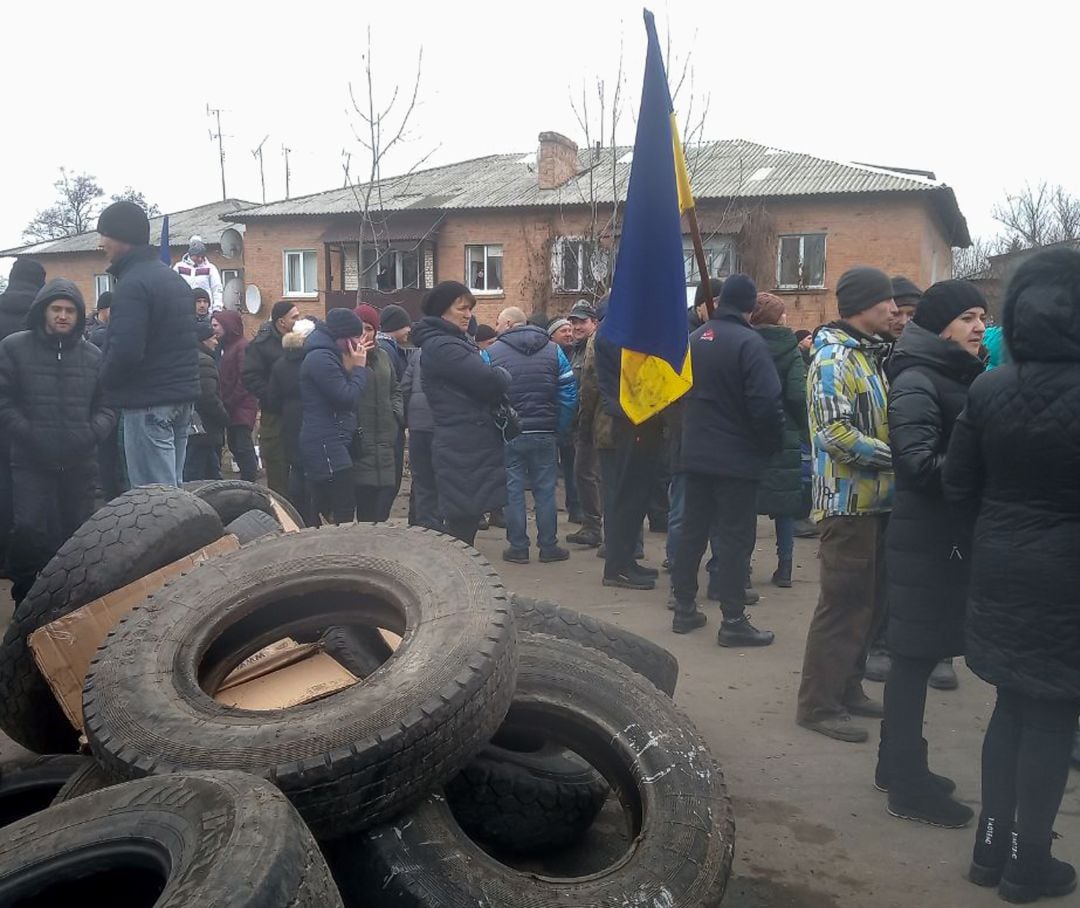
[[216, 113], [257, 153], [285, 151], [346, 161]]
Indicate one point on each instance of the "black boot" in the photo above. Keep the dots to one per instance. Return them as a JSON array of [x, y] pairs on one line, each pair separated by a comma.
[[687, 618], [914, 796], [881, 772], [740, 632], [992, 841], [782, 575], [1030, 873]]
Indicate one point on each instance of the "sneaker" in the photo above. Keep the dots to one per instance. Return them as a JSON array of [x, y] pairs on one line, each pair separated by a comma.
[[576, 516], [516, 556], [839, 727], [943, 677], [930, 805], [642, 571], [865, 706], [740, 632], [751, 596], [589, 536], [627, 581], [806, 529], [684, 622], [878, 664], [556, 553]]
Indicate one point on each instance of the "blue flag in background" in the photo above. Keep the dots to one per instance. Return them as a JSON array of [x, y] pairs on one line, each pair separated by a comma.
[[647, 309], [166, 257]]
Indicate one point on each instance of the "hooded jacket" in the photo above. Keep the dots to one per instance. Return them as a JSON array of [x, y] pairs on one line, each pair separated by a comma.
[[542, 387], [16, 300], [781, 493], [283, 394], [928, 543], [1015, 455], [847, 396], [152, 357], [205, 276], [241, 404], [329, 396], [51, 404], [462, 389], [259, 358], [380, 414]]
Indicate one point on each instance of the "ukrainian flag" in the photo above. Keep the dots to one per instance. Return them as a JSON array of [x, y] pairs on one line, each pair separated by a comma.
[[647, 309]]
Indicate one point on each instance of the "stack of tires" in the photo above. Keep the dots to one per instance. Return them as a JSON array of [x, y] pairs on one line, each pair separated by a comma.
[[487, 759]]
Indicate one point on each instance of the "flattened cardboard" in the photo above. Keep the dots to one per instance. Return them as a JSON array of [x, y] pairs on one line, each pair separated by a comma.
[[270, 658], [279, 686], [287, 523], [64, 649]]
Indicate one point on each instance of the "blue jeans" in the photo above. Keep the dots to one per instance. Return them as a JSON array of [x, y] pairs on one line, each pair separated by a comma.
[[155, 443], [785, 536], [533, 458]]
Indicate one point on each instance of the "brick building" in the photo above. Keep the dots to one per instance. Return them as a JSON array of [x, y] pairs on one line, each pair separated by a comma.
[[537, 230]]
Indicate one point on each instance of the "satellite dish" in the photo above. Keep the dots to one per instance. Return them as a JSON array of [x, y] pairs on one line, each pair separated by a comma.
[[234, 293], [252, 299], [232, 243]]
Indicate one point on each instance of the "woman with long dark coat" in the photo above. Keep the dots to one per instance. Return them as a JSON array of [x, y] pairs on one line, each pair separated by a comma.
[[1015, 454], [462, 391], [927, 544]]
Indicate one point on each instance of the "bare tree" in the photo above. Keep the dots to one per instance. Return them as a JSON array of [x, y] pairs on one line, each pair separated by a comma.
[[134, 195], [974, 261], [1039, 216], [74, 211]]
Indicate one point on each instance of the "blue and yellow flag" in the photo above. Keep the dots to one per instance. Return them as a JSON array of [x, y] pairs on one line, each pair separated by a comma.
[[647, 309]]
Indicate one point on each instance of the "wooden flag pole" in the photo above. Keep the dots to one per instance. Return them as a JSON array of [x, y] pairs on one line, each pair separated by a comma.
[[702, 264]]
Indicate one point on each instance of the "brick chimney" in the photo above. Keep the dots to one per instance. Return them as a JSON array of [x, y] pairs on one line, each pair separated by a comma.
[[557, 160]]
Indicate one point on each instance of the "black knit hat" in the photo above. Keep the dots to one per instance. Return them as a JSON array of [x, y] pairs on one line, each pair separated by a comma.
[[280, 309], [904, 292], [442, 297], [393, 318], [126, 222], [104, 301], [200, 293], [27, 271], [860, 288], [344, 323], [739, 293], [945, 301]]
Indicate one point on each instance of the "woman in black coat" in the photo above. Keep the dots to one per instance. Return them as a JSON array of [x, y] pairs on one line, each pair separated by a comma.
[[462, 390], [284, 399], [203, 458], [927, 545], [1015, 454]]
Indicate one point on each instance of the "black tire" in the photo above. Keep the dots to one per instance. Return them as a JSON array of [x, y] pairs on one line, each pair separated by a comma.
[[214, 838], [252, 525], [31, 784], [526, 802], [683, 836], [232, 497], [351, 759], [136, 533], [362, 650], [540, 616], [89, 777]]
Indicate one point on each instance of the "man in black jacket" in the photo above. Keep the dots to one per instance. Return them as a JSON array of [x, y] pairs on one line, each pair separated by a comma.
[[208, 424], [151, 366], [259, 359], [51, 411], [98, 328], [732, 424]]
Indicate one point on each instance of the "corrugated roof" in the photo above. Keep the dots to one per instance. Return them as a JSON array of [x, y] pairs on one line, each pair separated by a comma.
[[732, 168], [205, 221]]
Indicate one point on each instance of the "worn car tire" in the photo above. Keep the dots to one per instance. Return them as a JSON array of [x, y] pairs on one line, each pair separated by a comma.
[[87, 778], [360, 649], [353, 758], [214, 838], [252, 525], [232, 497], [541, 616], [684, 835], [134, 534], [526, 802], [30, 784]]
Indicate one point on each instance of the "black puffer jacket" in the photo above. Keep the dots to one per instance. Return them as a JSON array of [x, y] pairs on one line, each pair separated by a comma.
[[151, 357], [532, 360], [50, 396], [27, 278], [209, 406], [461, 390], [928, 543], [262, 352], [780, 493], [1015, 451]]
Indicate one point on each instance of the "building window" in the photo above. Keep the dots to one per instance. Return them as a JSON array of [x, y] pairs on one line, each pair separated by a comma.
[[719, 256], [231, 274], [800, 263], [301, 270], [393, 269], [484, 268], [577, 265], [102, 283]]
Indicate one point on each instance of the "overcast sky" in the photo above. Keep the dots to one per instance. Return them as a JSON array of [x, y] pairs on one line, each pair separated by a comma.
[[119, 91]]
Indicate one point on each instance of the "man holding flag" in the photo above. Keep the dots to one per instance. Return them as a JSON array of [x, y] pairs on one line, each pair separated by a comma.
[[642, 350]]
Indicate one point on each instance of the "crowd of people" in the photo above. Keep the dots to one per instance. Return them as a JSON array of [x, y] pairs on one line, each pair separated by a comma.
[[935, 457]]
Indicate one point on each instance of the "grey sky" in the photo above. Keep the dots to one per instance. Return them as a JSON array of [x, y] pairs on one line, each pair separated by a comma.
[[121, 92]]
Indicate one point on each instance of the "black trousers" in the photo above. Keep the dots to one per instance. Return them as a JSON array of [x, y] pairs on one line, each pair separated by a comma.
[[373, 503], [727, 508], [334, 499], [424, 493], [201, 461], [243, 451], [463, 528], [638, 451], [1025, 763], [905, 706]]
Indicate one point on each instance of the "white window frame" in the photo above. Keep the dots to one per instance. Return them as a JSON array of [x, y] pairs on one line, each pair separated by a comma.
[[110, 282], [801, 285], [724, 242], [589, 261], [485, 291], [227, 274], [305, 292]]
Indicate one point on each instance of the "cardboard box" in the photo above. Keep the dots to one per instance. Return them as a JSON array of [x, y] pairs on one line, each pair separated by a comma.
[[288, 677], [64, 649]]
